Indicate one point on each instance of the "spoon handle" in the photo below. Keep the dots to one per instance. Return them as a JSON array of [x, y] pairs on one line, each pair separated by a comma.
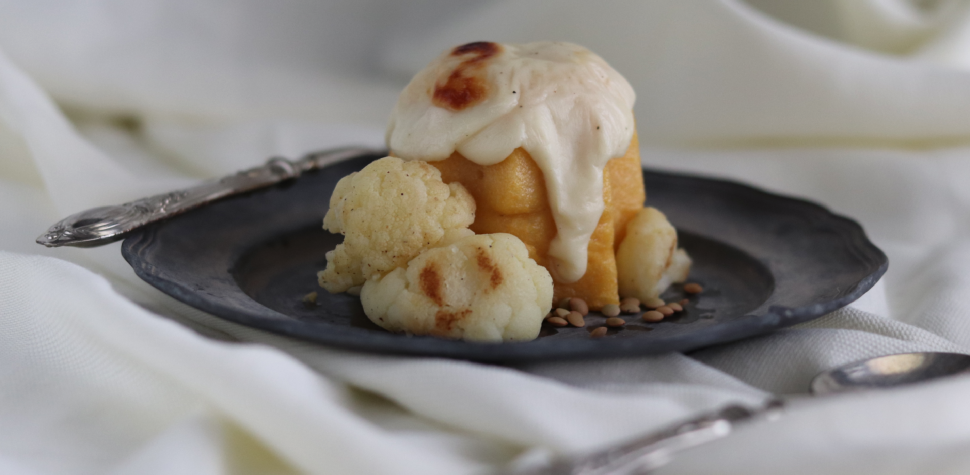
[[640, 456], [99, 226]]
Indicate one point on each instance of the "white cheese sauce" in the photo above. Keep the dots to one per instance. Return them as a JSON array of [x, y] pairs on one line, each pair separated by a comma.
[[560, 102]]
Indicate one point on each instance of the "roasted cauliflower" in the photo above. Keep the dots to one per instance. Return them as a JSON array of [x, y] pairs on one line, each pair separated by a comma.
[[388, 213], [480, 288], [648, 260]]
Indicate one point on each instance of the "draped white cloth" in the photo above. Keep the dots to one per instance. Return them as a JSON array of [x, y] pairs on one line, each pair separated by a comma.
[[862, 105]]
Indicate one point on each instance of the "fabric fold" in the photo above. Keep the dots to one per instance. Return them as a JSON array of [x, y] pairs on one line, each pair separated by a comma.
[[105, 374]]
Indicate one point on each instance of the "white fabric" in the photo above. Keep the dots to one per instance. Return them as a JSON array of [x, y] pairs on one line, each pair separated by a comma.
[[863, 108]]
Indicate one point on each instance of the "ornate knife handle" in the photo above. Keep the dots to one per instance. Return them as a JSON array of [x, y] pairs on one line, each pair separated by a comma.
[[99, 226]]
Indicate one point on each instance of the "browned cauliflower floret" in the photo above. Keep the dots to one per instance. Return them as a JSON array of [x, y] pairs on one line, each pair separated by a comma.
[[648, 260], [388, 213], [480, 288]]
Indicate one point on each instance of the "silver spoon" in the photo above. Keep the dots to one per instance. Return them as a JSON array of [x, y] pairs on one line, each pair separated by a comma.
[[889, 371], [645, 454], [99, 226]]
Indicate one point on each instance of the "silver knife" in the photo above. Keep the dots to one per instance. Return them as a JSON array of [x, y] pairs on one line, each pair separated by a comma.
[[100, 226]]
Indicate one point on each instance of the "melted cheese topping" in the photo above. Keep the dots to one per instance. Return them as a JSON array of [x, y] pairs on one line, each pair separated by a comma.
[[560, 102]]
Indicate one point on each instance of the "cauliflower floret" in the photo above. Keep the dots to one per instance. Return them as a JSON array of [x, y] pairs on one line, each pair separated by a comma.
[[388, 213], [648, 260], [481, 288]]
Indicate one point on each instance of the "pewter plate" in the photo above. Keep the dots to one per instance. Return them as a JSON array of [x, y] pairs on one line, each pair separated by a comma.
[[765, 261]]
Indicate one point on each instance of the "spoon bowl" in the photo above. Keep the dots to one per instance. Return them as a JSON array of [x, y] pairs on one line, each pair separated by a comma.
[[890, 371]]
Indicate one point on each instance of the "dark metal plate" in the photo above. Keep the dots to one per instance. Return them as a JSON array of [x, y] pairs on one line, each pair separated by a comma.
[[765, 261]]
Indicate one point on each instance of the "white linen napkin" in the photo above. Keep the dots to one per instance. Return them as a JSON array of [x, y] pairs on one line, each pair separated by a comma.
[[104, 374]]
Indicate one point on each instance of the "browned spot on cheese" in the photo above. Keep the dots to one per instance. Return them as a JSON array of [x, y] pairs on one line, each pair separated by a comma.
[[479, 48], [486, 264], [466, 85], [444, 321], [430, 281], [460, 92]]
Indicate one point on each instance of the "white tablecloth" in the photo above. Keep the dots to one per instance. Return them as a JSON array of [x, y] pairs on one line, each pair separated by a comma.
[[862, 105]]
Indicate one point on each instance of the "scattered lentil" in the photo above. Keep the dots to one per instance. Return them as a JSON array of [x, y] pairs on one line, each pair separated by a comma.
[[598, 333], [630, 301], [579, 305], [630, 306], [675, 307], [615, 322], [610, 310], [561, 312], [666, 311], [576, 319], [654, 303], [310, 299], [557, 321], [629, 309], [564, 303], [684, 302], [653, 316], [693, 288]]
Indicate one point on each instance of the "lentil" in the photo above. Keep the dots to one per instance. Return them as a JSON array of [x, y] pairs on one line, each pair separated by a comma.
[[630, 301], [598, 333], [576, 319], [629, 307], [615, 322], [557, 321], [653, 316], [579, 305], [693, 288], [611, 310]]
